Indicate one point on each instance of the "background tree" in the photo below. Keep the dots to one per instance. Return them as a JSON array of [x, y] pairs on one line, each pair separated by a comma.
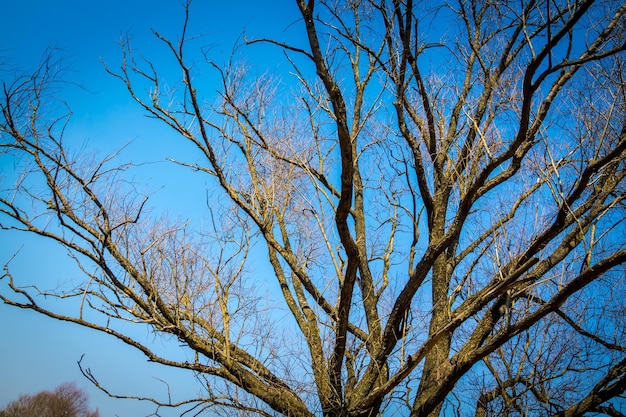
[[65, 401], [438, 200]]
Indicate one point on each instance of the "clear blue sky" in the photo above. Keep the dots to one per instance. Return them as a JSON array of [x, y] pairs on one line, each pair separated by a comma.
[[38, 353]]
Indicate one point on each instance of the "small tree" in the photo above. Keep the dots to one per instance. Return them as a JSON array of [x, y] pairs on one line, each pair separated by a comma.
[[440, 212], [65, 401]]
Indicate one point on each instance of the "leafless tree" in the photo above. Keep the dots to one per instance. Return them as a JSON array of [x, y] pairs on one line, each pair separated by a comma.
[[65, 401], [435, 198]]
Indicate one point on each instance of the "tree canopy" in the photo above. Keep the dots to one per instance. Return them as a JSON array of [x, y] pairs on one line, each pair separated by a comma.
[[65, 401], [433, 200]]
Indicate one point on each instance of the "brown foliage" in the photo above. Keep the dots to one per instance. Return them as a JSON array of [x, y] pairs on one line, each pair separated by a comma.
[[64, 401]]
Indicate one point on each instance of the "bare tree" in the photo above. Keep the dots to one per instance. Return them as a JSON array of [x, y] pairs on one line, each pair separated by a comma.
[[65, 401], [438, 199]]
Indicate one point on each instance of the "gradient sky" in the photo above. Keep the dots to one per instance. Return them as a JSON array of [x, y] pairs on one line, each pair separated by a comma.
[[36, 352]]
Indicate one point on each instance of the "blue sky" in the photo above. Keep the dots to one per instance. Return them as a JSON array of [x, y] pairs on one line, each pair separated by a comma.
[[38, 353]]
